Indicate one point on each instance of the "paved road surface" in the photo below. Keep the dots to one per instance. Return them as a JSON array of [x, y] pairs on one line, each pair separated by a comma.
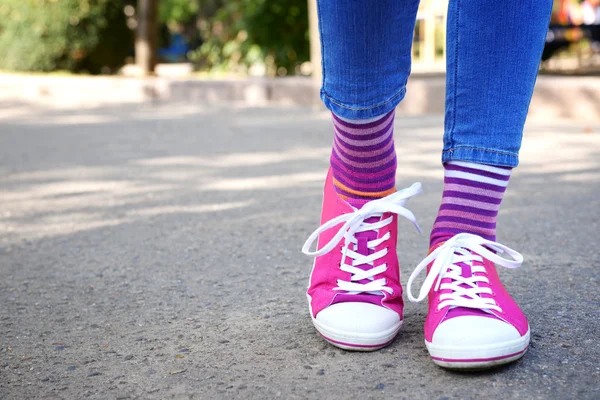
[[154, 252]]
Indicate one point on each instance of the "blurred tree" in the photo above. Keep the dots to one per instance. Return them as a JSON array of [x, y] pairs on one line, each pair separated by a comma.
[[146, 38], [240, 34], [261, 36], [177, 11], [75, 35]]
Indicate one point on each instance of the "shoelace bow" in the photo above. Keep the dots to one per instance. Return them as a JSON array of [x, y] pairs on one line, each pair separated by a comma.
[[354, 223], [465, 292]]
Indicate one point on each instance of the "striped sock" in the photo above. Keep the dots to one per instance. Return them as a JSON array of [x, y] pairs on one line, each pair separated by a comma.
[[363, 159], [471, 200]]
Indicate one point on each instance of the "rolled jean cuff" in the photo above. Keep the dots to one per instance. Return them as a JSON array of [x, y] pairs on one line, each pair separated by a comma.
[[362, 112], [493, 157]]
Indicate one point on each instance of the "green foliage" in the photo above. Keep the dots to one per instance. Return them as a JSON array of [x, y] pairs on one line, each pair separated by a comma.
[[76, 35], [91, 35], [180, 11], [240, 33]]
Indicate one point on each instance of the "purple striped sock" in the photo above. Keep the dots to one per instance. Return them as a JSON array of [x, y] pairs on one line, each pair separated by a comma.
[[363, 159], [471, 200]]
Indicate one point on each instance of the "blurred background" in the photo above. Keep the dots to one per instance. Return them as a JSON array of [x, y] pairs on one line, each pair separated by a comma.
[[162, 162], [233, 37]]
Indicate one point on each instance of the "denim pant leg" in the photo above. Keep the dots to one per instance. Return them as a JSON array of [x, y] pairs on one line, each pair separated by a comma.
[[493, 55], [366, 52]]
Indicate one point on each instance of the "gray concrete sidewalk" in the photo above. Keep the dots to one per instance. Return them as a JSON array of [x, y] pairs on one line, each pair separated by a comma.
[[153, 251], [554, 97]]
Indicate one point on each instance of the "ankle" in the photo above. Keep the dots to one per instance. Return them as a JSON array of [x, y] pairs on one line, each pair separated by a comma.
[[363, 159], [470, 201]]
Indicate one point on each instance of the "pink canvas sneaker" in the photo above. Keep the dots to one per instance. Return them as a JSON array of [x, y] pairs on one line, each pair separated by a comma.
[[354, 293], [472, 322]]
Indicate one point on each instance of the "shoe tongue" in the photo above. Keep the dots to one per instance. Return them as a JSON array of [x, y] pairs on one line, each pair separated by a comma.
[[463, 311], [466, 272], [364, 238], [357, 203]]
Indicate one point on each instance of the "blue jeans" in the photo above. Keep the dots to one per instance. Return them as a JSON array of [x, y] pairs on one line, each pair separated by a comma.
[[493, 51]]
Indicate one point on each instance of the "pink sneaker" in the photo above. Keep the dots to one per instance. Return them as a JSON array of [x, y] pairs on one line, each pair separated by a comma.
[[472, 322], [354, 293]]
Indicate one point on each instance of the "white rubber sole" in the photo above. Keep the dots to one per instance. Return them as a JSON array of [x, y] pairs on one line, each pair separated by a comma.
[[478, 357], [357, 341]]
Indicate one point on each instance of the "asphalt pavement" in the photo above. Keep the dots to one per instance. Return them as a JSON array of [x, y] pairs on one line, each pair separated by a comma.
[[153, 251]]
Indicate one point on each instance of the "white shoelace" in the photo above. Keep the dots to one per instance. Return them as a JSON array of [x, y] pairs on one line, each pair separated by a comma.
[[446, 259], [354, 223]]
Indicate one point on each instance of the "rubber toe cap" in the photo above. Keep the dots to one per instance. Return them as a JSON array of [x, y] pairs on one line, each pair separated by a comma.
[[358, 317], [474, 331]]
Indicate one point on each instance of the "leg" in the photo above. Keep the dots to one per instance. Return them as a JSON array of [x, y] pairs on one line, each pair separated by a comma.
[[355, 296], [366, 49], [493, 54]]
